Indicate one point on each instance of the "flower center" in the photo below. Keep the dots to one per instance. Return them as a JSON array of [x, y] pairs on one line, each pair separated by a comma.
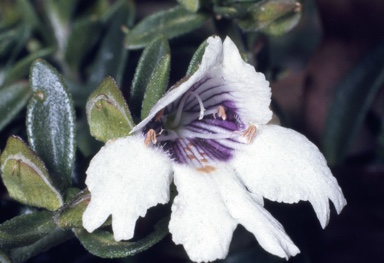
[[199, 129]]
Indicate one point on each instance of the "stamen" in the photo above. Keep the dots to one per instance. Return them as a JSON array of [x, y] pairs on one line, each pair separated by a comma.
[[221, 112], [150, 137], [185, 133], [177, 119], [250, 133]]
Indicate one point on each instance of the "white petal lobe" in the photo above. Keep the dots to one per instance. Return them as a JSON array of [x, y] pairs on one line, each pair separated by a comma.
[[125, 178], [284, 166], [251, 87], [200, 220], [245, 210]]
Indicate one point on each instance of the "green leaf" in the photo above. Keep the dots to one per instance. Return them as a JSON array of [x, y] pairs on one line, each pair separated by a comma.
[[24, 32], [70, 215], [171, 23], [28, 13], [192, 5], [25, 229], [196, 59], [13, 99], [352, 99], [21, 68], [229, 12], [111, 56], [102, 244], [51, 122], [157, 85], [149, 61], [84, 35], [273, 17], [7, 39], [26, 177], [55, 237], [107, 112], [59, 13]]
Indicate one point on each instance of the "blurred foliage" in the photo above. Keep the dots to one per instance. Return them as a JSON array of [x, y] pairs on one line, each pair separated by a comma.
[[85, 59]]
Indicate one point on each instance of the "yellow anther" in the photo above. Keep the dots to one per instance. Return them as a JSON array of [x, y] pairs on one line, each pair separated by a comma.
[[250, 133], [150, 137], [221, 112]]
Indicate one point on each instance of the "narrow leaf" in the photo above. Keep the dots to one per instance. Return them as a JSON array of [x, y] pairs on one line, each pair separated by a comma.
[[28, 13], [101, 243], [51, 122], [196, 59], [351, 102], [25, 229], [111, 54], [13, 99], [83, 36], [157, 85], [26, 177], [55, 237], [21, 68], [273, 17], [59, 13], [171, 23], [149, 60], [107, 112], [191, 5]]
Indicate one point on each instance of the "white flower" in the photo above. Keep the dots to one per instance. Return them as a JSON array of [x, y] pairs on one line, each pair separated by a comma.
[[211, 136]]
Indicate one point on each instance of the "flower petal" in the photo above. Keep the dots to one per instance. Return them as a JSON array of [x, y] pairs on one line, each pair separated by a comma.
[[200, 220], [251, 87], [284, 166], [125, 178], [223, 79], [244, 209], [212, 56]]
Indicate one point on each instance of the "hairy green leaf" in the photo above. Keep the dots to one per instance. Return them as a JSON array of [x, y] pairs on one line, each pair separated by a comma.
[[51, 122], [55, 237], [107, 112], [192, 5], [157, 85], [171, 23], [26, 177], [25, 229], [111, 56], [196, 59], [149, 61], [273, 17]]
